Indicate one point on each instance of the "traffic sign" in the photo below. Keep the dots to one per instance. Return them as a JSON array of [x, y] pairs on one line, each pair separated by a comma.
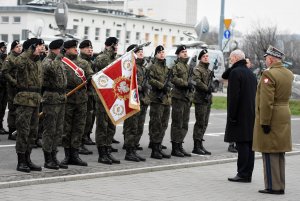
[[227, 34], [227, 23]]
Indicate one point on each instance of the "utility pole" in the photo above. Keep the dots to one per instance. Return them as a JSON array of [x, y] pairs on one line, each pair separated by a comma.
[[221, 28]]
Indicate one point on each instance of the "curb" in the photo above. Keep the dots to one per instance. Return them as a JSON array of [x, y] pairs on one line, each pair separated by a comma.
[[66, 178]]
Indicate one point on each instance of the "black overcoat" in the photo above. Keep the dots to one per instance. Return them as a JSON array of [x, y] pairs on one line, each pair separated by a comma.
[[240, 103]]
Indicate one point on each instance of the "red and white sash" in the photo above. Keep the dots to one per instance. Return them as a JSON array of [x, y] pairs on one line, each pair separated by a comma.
[[78, 71]]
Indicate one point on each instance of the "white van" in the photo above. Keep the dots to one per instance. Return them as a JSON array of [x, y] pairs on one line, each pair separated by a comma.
[[216, 62]]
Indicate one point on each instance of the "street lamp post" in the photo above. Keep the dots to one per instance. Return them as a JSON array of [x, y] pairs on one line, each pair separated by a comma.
[[221, 28]]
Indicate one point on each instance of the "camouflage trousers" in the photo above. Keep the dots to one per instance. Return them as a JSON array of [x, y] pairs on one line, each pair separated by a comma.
[[90, 116], [202, 112], [180, 119], [105, 129], [159, 119], [75, 117], [53, 126], [27, 121], [11, 117], [3, 103], [133, 127]]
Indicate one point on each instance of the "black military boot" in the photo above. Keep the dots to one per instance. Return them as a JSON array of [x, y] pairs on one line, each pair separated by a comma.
[[155, 151], [111, 157], [138, 156], [130, 156], [175, 150], [197, 148], [138, 147], [12, 134], [22, 164], [150, 145], [84, 150], [103, 158], [66, 160], [30, 164], [87, 140], [201, 147], [49, 163], [115, 141], [164, 155], [75, 159], [54, 158], [181, 149]]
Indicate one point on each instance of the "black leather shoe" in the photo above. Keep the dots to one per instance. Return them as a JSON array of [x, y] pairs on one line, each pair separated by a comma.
[[240, 179], [268, 191]]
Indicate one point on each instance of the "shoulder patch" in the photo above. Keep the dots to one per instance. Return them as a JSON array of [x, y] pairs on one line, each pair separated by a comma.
[[266, 80]]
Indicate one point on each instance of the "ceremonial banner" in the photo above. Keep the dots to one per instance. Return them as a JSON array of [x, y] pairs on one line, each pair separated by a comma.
[[116, 86]]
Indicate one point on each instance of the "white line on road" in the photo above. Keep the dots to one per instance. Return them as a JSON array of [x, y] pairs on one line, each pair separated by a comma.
[[7, 145], [295, 119]]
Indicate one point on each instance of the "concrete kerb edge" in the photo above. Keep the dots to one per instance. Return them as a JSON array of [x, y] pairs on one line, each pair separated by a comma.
[[66, 178]]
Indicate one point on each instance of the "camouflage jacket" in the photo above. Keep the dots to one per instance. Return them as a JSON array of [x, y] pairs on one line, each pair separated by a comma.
[[9, 69], [90, 88], [141, 75], [29, 79], [158, 75], [55, 81], [201, 75], [180, 80], [80, 96]]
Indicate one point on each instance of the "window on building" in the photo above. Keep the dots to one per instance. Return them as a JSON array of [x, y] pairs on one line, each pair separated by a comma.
[[165, 40], [107, 34], [181, 38], [16, 37], [97, 33], [75, 29], [118, 34], [17, 19], [86, 33], [4, 19], [147, 37], [138, 36], [4, 37], [25, 34], [156, 36], [173, 40], [127, 40]]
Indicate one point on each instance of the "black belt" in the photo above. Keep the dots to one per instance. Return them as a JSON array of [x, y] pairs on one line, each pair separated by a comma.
[[58, 90], [29, 89]]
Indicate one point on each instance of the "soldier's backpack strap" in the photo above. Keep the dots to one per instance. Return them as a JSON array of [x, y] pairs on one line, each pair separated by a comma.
[[78, 71]]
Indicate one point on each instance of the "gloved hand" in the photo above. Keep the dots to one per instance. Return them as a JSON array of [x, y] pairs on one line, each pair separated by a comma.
[[266, 129], [232, 121]]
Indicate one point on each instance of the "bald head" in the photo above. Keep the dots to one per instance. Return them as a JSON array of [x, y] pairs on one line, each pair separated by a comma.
[[236, 56]]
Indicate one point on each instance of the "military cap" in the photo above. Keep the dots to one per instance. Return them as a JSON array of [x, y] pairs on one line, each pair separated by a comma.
[[180, 48], [158, 49], [26, 44], [137, 48], [14, 44], [70, 44], [203, 52], [272, 51], [56, 44], [36, 41], [3, 44], [110, 41], [85, 43]]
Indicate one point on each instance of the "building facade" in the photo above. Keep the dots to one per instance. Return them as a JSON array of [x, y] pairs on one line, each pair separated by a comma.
[[21, 22]]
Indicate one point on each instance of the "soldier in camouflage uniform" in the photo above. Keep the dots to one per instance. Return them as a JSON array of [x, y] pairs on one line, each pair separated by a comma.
[[86, 53], [202, 101], [3, 91], [105, 129], [29, 84], [160, 103], [131, 124], [53, 100], [181, 102], [75, 113], [10, 73]]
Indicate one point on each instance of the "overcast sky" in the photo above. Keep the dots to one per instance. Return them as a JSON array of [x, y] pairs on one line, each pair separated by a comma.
[[283, 13]]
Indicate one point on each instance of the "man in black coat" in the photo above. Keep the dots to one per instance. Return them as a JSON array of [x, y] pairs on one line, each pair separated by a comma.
[[241, 114]]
